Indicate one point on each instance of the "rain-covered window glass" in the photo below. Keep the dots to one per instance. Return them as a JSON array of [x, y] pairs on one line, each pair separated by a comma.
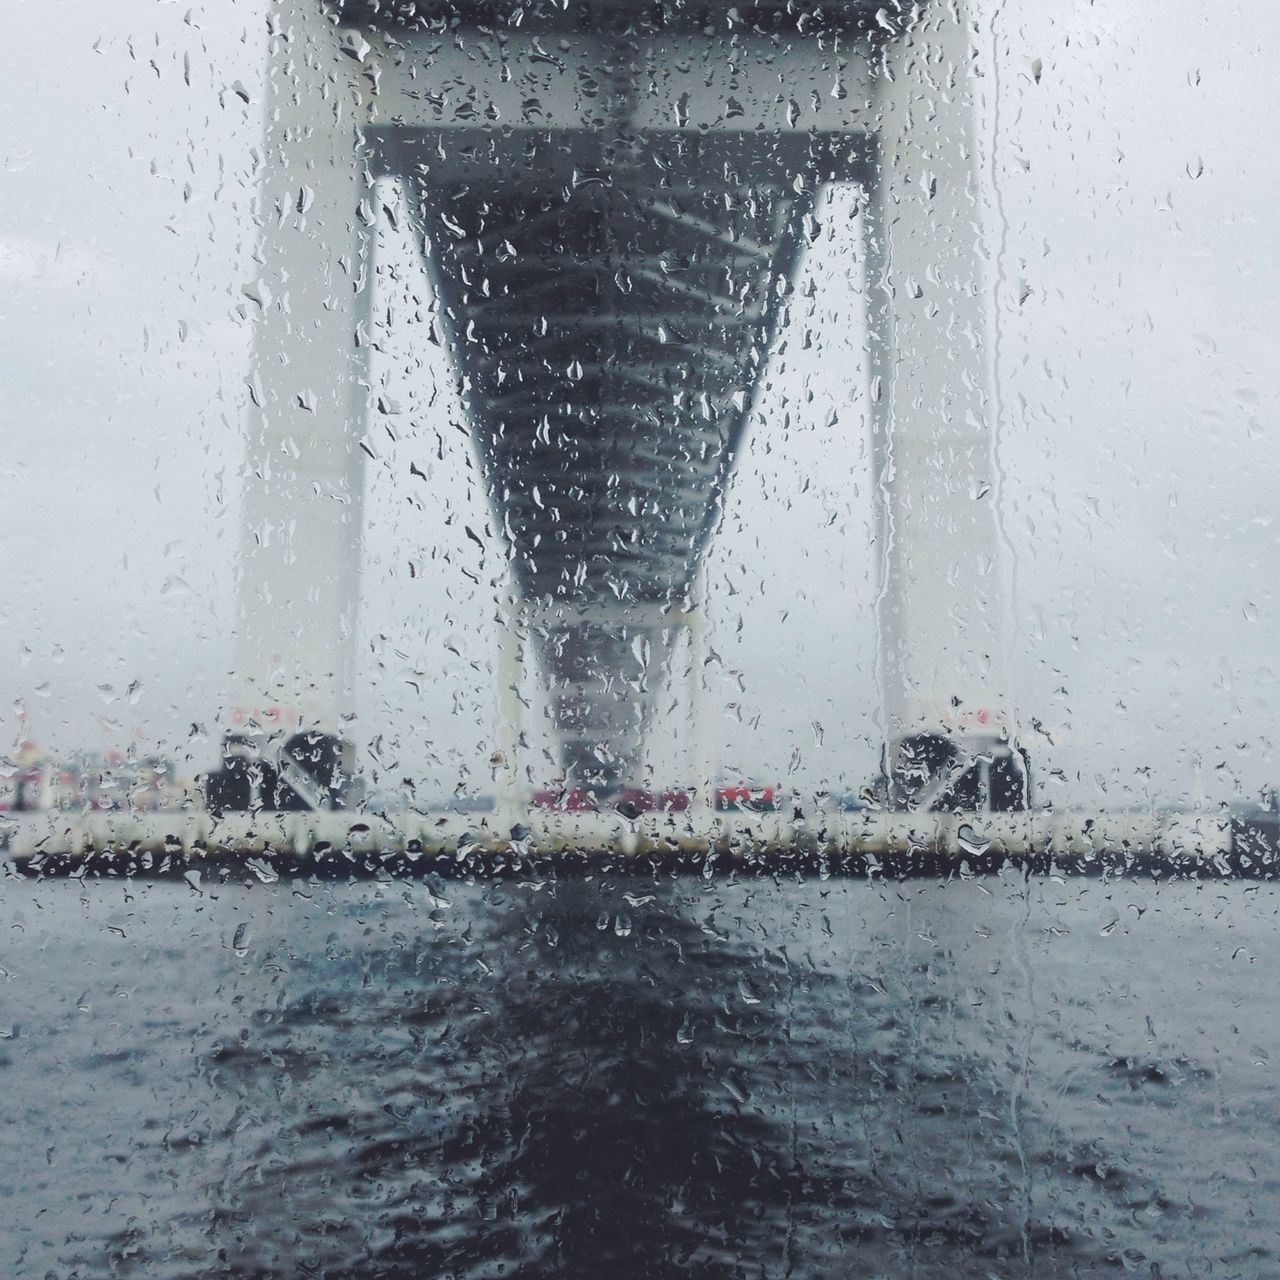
[[639, 639]]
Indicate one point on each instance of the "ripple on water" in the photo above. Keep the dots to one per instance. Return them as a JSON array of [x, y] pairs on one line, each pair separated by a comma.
[[509, 1089]]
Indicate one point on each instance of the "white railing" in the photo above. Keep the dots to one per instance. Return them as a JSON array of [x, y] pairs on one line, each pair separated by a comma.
[[1060, 832]]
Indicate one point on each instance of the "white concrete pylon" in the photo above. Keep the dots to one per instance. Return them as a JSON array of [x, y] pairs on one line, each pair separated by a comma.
[[513, 654], [701, 731], [942, 605], [303, 479]]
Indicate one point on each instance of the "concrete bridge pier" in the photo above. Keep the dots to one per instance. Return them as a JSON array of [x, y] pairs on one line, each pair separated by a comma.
[[511, 747], [302, 480], [943, 605]]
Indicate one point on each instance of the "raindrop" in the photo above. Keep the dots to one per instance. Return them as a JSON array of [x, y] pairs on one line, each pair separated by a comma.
[[265, 872]]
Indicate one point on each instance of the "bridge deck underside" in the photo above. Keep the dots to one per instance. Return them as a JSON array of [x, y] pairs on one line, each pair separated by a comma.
[[611, 303]]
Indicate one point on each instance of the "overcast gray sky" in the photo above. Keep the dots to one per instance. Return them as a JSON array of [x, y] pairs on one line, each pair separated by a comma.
[[1137, 175]]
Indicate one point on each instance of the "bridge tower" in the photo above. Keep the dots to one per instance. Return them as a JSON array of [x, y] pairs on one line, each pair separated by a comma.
[[611, 197]]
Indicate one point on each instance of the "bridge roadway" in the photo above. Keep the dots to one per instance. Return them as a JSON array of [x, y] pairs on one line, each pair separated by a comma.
[[331, 843]]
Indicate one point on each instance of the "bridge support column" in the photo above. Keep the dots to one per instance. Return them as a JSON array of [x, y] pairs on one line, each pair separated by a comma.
[[603, 666], [513, 653], [302, 484], [700, 727], [942, 606]]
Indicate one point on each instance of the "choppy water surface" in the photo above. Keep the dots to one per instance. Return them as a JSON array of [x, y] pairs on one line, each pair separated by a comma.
[[640, 1077]]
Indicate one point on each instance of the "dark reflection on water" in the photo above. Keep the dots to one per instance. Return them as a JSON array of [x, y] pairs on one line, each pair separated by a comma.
[[588, 1087], [636, 1078]]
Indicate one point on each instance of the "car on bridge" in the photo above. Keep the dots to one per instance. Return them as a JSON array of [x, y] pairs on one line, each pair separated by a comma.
[[630, 802], [748, 798]]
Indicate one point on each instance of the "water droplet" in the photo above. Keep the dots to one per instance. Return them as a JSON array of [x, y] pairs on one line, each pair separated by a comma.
[[263, 870]]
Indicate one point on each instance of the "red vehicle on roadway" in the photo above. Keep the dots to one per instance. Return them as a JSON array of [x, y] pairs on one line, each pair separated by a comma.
[[743, 796], [631, 802]]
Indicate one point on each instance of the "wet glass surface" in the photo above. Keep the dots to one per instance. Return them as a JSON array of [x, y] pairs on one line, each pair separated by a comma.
[[636, 1076], [449, 436]]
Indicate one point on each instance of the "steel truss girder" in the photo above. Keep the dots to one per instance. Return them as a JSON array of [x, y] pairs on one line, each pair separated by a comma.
[[616, 379]]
